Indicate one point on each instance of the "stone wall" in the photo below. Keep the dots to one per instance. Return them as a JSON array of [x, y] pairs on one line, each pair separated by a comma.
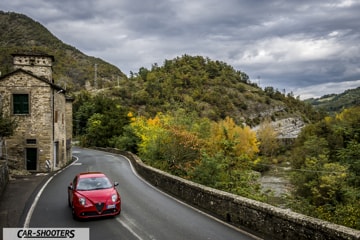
[[4, 176], [36, 125], [60, 128], [43, 64], [69, 127], [261, 219], [43, 132]]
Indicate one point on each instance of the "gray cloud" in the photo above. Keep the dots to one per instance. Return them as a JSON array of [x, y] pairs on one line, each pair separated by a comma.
[[290, 45]]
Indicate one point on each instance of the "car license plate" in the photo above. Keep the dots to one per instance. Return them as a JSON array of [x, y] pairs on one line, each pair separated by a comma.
[[110, 206]]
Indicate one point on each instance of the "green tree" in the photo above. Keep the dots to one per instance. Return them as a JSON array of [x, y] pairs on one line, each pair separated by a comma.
[[95, 131], [350, 156], [208, 170], [127, 141], [326, 169], [99, 120], [83, 109], [313, 146], [7, 126], [326, 185]]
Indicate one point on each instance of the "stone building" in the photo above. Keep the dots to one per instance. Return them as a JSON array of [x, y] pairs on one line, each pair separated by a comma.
[[43, 113]]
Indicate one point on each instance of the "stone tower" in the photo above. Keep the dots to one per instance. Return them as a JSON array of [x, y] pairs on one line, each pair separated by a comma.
[[38, 64]]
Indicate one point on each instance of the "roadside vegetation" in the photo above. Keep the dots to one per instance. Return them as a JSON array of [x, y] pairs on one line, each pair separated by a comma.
[[326, 157]]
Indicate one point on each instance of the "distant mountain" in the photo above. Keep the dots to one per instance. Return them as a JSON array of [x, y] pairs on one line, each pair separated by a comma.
[[72, 68], [334, 103]]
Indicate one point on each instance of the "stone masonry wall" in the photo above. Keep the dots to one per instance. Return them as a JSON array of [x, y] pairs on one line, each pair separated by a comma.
[[60, 127], [36, 125], [4, 176], [42, 133], [261, 219], [43, 65], [69, 128]]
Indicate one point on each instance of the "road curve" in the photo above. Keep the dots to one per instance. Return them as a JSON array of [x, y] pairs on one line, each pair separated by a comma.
[[147, 213]]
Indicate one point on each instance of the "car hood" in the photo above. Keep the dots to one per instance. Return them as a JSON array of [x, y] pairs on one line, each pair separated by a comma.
[[100, 195]]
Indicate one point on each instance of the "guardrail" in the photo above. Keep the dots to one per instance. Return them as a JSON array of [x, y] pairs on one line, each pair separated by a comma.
[[259, 218]]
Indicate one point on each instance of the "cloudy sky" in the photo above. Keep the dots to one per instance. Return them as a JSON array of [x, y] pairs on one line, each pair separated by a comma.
[[308, 47]]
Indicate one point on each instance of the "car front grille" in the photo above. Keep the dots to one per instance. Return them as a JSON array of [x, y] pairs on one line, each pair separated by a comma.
[[99, 207], [89, 214], [97, 214], [109, 211]]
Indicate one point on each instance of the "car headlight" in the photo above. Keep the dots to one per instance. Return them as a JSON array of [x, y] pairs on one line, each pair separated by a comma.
[[82, 201], [114, 197]]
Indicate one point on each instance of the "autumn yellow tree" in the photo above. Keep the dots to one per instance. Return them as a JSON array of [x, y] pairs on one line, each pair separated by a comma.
[[267, 137], [182, 149], [151, 133], [235, 146], [234, 140], [165, 144], [227, 159]]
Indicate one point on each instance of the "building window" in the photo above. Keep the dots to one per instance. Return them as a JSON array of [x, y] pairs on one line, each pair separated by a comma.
[[21, 104], [31, 141], [56, 116]]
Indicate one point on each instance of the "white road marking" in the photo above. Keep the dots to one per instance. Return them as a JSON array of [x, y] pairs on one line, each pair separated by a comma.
[[33, 205], [186, 204], [129, 227]]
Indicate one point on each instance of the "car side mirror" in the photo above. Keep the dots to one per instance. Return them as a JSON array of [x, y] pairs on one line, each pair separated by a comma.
[[70, 187], [116, 184]]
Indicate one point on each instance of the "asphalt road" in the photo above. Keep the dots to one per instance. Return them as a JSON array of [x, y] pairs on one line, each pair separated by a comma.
[[147, 213]]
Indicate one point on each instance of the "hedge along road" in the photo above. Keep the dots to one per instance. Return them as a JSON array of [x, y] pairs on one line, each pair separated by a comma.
[[147, 213]]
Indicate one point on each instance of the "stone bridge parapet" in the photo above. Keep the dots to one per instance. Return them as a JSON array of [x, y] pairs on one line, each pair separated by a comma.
[[260, 219]]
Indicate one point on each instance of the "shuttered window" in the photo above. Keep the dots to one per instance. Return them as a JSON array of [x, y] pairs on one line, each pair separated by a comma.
[[21, 104]]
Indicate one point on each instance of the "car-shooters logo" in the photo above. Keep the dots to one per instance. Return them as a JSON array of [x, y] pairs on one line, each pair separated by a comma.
[[46, 233]]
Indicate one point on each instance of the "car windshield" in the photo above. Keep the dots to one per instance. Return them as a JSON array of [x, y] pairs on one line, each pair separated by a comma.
[[95, 183]]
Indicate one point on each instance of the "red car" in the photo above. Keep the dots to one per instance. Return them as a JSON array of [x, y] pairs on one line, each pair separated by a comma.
[[91, 194]]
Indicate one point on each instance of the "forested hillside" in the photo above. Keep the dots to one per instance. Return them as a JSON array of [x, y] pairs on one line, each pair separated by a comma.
[[334, 103], [72, 68], [209, 88]]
